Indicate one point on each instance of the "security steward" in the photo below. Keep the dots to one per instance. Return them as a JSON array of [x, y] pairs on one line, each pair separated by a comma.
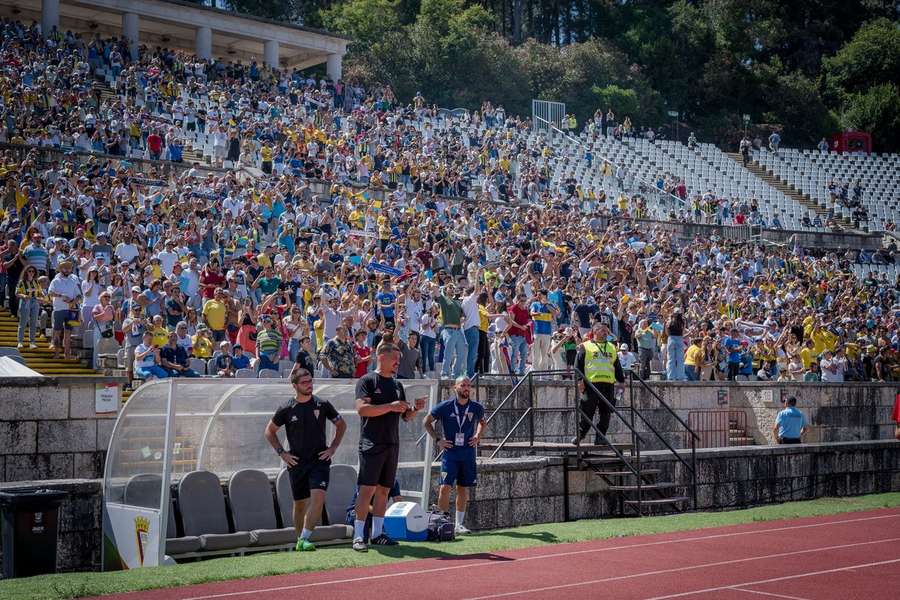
[[309, 458], [598, 362], [380, 403]]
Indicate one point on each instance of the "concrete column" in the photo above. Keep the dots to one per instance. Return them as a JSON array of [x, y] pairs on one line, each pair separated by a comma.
[[270, 55], [49, 16], [131, 32], [333, 66], [204, 43]]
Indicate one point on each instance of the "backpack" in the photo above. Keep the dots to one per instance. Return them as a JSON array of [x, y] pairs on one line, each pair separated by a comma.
[[440, 528]]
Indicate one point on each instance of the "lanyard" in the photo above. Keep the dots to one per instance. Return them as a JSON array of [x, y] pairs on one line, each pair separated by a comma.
[[460, 419]]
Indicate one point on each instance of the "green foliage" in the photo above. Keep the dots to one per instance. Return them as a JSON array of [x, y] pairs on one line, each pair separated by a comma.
[[872, 56], [367, 22], [623, 101], [876, 110], [788, 64], [281, 10]]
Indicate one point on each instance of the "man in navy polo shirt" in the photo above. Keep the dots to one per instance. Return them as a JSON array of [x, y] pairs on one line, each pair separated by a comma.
[[462, 421]]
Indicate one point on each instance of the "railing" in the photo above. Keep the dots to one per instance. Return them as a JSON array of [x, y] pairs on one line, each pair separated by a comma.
[[669, 197], [579, 415], [692, 435], [630, 422], [714, 427]]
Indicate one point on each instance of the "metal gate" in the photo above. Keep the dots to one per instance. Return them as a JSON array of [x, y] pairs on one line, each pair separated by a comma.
[[545, 113], [719, 428]]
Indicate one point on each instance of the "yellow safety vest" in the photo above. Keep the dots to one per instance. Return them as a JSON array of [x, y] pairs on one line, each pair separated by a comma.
[[599, 362]]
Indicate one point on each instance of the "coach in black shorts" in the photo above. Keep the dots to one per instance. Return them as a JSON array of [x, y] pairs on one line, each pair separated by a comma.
[[309, 459], [380, 402]]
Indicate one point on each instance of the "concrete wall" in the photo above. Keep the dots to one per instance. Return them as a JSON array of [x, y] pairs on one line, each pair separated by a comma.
[[49, 428], [837, 413], [80, 522], [520, 491]]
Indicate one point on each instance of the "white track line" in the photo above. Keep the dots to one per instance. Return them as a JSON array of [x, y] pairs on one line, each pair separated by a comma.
[[539, 557], [777, 579], [721, 563], [771, 594]]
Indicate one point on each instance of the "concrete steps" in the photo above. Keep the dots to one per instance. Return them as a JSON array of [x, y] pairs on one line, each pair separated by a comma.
[[41, 358], [787, 189]]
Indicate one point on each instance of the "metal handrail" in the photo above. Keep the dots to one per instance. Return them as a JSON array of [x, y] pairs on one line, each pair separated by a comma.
[[634, 375], [508, 396], [694, 437], [675, 199], [638, 413]]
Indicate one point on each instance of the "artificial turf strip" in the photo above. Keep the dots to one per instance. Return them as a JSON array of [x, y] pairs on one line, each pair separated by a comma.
[[74, 585]]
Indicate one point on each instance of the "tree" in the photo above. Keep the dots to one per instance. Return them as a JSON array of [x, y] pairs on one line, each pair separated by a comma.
[[366, 22], [279, 10], [870, 58], [876, 111]]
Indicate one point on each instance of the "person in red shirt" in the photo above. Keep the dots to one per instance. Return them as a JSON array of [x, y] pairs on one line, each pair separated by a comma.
[[896, 416], [211, 278], [154, 145], [363, 354], [519, 334]]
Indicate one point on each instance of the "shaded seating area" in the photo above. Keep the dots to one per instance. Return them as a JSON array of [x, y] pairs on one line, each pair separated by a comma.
[[209, 517], [189, 470]]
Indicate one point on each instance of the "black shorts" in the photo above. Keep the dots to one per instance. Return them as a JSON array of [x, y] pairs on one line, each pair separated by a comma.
[[378, 466], [307, 475]]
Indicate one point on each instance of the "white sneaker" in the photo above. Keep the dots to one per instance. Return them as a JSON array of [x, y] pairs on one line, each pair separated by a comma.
[[32, 345], [462, 530], [20, 345]]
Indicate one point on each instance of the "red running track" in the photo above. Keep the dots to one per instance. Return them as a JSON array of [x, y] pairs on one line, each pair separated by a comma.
[[840, 557]]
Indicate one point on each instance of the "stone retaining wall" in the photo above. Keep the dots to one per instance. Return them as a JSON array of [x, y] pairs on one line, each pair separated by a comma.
[[528, 490], [837, 413], [49, 428]]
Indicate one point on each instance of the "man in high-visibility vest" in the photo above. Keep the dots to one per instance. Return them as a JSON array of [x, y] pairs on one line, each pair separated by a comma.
[[598, 362]]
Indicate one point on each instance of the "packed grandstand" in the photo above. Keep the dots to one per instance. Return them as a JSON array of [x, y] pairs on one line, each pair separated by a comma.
[[200, 218]]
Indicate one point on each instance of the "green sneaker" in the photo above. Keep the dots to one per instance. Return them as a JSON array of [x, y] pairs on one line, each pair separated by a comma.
[[304, 546]]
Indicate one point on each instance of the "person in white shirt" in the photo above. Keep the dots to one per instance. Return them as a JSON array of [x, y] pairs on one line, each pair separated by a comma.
[[65, 290], [626, 357], [126, 251], [833, 367], [471, 321], [415, 308], [167, 258]]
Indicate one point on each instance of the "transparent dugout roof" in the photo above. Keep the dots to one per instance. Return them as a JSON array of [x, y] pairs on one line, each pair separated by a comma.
[[217, 425]]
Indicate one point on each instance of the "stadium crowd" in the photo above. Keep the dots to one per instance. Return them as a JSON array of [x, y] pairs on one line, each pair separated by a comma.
[[250, 267]]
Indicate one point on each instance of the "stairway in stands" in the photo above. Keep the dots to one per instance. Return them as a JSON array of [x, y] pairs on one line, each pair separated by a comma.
[[787, 189], [40, 359]]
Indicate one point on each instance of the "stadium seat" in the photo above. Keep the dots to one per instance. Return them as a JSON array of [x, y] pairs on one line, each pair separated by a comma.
[[177, 545], [244, 373], [269, 374], [339, 495], [203, 513], [144, 490], [253, 509], [341, 489], [198, 365]]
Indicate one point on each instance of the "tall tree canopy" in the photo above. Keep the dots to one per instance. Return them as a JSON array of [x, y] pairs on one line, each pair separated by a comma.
[[807, 67]]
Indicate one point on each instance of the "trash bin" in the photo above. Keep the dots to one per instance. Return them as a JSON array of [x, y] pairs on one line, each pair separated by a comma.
[[29, 528]]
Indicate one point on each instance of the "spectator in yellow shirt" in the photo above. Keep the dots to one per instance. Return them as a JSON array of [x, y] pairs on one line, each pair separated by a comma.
[[159, 331], [693, 360], [215, 312], [203, 346]]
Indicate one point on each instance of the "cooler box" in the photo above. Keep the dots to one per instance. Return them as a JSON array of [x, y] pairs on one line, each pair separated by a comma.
[[406, 521]]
